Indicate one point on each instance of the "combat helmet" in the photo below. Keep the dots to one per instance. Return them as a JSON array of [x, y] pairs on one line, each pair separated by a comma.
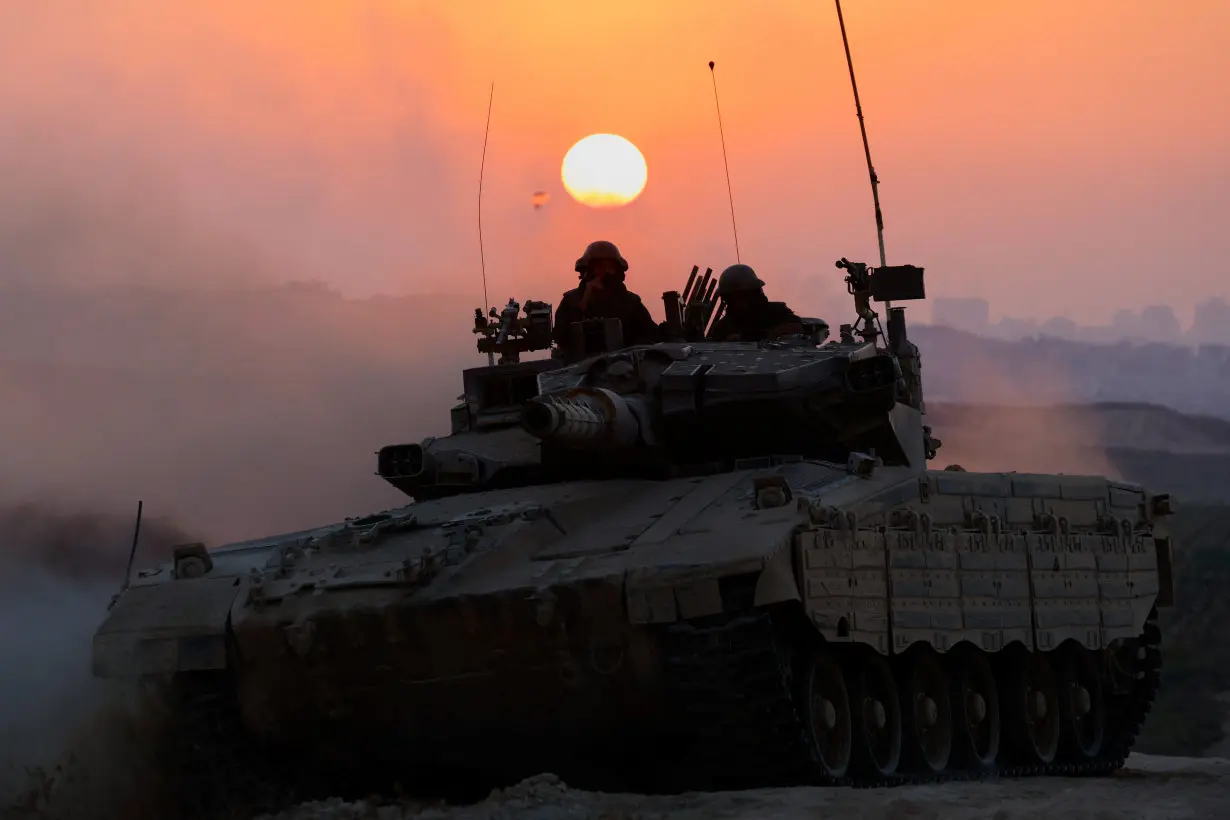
[[738, 279], [601, 250]]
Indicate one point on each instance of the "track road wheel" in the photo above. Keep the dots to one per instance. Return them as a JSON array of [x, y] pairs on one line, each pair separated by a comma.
[[1031, 709], [827, 710], [876, 710], [926, 711], [975, 711], [1082, 706]]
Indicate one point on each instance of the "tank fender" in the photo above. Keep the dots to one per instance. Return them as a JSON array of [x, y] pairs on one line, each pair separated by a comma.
[[777, 582], [166, 628]]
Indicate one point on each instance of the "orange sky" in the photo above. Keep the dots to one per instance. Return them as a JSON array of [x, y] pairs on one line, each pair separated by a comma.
[[1055, 157]]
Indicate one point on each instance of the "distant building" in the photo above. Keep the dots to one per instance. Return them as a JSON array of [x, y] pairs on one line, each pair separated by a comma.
[[1155, 323], [1059, 327], [1159, 324], [1211, 323], [1010, 327], [961, 313]]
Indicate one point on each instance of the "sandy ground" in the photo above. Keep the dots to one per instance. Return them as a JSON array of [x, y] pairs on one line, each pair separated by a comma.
[[1149, 788]]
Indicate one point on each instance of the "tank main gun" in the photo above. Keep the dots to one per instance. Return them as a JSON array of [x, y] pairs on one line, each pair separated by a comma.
[[591, 418], [509, 334]]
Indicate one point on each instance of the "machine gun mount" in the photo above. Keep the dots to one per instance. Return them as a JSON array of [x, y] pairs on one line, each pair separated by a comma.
[[888, 284], [508, 333]]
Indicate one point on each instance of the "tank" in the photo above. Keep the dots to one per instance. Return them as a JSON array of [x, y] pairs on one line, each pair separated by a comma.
[[676, 566]]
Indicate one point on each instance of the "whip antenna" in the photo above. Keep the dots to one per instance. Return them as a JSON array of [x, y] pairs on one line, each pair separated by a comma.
[[132, 553], [730, 196], [482, 260], [858, 107]]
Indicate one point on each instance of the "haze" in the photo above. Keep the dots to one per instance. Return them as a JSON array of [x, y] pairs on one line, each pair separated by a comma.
[[166, 167], [1041, 155]]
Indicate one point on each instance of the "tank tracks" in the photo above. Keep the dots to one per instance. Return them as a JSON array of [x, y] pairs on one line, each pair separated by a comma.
[[735, 679], [207, 761]]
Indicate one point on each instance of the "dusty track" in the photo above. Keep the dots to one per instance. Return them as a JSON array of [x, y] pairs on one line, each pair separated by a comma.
[[1148, 788]]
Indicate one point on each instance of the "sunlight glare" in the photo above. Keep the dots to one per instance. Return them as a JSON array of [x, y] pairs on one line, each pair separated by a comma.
[[604, 171]]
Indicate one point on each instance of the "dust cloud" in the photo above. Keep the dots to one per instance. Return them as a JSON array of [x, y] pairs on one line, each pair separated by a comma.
[[230, 414], [1023, 420], [168, 217], [165, 224], [58, 569]]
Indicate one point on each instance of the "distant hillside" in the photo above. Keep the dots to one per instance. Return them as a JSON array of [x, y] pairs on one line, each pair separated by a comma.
[[149, 326], [240, 411], [960, 366], [1130, 425], [1185, 455]]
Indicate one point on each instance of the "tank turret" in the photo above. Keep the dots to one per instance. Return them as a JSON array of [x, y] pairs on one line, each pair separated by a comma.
[[664, 410]]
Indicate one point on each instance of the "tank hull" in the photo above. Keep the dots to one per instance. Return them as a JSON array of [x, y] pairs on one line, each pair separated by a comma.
[[800, 623]]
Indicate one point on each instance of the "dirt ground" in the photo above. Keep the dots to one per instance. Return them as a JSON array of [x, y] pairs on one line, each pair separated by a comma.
[[1149, 788]]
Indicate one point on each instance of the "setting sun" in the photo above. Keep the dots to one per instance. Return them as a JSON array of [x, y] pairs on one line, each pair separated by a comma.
[[604, 171]]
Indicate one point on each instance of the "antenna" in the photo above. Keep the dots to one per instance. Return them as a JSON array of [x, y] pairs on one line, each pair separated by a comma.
[[862, 127], [482, 259], [726, 164], [132, 553]]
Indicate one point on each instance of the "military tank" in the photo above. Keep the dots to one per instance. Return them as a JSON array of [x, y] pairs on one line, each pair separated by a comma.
[[674, 566]]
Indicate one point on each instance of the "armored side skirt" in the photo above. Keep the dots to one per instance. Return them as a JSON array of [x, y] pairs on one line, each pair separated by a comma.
[[462, 678]]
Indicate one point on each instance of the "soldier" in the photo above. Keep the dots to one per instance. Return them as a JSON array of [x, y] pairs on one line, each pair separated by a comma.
[[602, 294], [749, 315]]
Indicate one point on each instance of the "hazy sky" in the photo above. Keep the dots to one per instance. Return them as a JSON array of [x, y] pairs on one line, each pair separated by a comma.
[[1054, 156]]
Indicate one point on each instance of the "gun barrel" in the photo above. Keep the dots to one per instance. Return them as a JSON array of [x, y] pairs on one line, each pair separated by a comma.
[[584, 417], [508, 320]]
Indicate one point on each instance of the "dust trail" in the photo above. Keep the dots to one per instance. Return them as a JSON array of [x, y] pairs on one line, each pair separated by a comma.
[[58, 570], [161, 333], [1021, 419]]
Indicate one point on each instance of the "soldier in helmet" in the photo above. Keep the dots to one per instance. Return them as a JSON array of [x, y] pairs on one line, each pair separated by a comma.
[[749, 315], [602, 294]]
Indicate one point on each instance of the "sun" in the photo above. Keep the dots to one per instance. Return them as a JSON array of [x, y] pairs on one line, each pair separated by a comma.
[[604, 171]]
